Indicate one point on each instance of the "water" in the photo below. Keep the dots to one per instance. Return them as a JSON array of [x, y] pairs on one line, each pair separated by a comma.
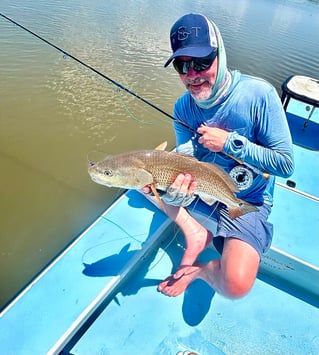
[[55, 115]]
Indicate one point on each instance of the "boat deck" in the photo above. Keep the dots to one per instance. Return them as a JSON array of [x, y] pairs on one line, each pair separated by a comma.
[[99, 296], [98, 270]]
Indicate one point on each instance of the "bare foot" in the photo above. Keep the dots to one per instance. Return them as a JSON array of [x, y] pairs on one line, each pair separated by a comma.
[[197, 238], [177, 283]]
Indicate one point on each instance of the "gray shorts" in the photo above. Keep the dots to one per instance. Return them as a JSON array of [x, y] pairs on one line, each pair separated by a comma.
[[251, 228]]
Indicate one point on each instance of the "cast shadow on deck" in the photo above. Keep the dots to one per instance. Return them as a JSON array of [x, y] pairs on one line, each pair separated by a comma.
[[197, 298]]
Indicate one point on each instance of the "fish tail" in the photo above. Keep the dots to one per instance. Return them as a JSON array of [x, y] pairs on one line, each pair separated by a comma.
[[243, 208]]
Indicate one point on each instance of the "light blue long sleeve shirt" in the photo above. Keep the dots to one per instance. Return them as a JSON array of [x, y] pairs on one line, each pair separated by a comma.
[[259, 134]]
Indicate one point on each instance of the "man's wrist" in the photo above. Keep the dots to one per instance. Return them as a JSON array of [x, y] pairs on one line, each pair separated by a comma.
[[234, 144]]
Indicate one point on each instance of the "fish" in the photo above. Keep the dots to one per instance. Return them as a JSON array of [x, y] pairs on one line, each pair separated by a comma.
[[159, 168]]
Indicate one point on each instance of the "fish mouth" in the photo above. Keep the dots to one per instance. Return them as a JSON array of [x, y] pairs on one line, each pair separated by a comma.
[[99, 181], [93, 178]]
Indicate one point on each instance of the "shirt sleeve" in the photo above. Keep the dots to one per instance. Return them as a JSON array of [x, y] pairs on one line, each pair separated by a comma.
[[272, 152]]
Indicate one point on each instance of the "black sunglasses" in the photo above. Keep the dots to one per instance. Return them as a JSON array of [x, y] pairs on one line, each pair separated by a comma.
[[198, 64]]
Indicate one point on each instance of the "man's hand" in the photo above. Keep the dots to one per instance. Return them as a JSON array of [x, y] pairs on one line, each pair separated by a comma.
[[180, 193], [212, 138]]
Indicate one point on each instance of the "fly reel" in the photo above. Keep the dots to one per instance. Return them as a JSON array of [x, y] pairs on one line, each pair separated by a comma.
[[242, 176]]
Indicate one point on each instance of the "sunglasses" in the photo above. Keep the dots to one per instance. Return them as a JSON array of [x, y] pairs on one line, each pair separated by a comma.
[[198, 64]]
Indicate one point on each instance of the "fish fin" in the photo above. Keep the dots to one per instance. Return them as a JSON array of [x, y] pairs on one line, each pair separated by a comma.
[[142, 177], [244, 208], [158, 198], [207, 199], [162, 146]]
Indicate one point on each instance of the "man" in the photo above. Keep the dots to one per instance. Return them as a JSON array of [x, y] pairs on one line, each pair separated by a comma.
[[235, 116]]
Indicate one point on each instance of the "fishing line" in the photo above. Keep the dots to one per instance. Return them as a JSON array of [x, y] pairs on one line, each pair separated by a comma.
[[88, 66], [100, 80], [208, 218], [136, 239], [125, 89]]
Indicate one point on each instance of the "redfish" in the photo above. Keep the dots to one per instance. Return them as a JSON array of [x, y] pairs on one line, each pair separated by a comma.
[[136, 169]]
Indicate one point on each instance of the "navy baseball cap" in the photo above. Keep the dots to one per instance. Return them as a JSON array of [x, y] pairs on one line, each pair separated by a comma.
[[192, 35]]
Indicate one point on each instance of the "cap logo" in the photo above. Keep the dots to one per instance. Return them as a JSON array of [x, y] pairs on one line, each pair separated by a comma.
[[183, 34], [193, 35]]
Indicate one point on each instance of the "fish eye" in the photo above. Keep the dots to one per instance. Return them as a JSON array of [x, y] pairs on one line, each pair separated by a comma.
[[108, 172]]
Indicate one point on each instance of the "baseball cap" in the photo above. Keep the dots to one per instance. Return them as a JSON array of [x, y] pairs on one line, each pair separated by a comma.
[[193, 36]]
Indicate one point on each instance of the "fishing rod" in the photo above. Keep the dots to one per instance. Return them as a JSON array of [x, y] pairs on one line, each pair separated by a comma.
[[239, 172], [122, 87]]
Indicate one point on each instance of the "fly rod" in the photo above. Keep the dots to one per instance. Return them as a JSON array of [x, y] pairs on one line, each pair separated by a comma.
[[122, 87]]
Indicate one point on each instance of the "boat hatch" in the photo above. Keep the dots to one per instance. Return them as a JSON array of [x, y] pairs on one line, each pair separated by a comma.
[[304, 91]]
